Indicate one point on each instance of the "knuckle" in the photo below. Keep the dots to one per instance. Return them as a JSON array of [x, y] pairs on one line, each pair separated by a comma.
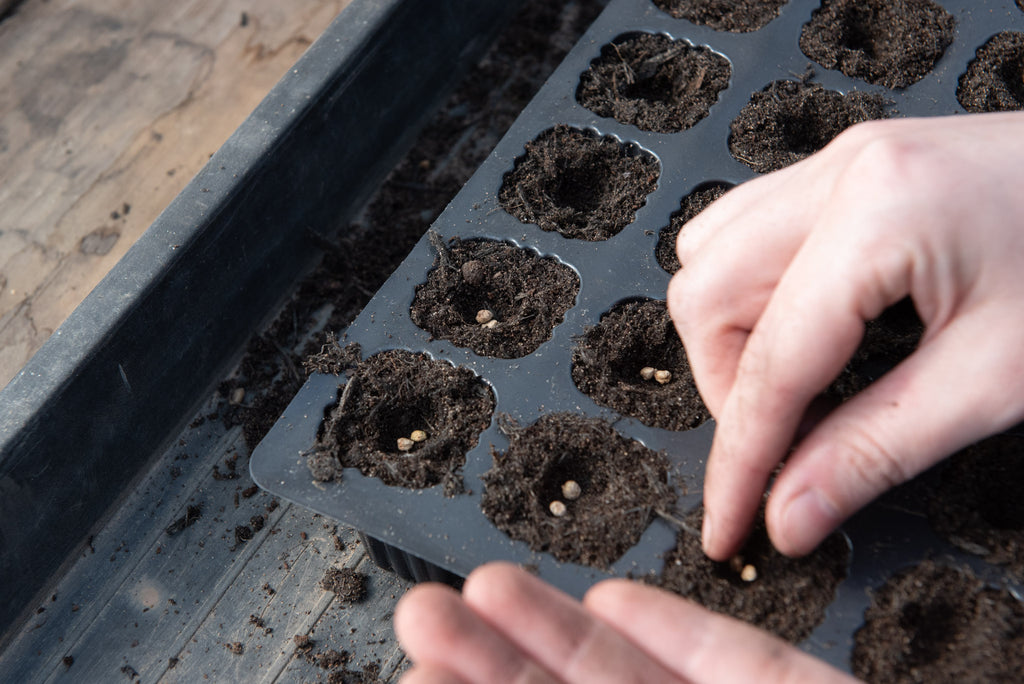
[[874, 464]]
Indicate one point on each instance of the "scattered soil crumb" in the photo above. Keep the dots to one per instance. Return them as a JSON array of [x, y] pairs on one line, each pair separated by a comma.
[[609, 358], [192, 515], [347, 584], [578, 184], [68, 660], [994, 80], [172, 663], [933, 623], [892, 43], [691, 205], [790, 120], [330, 660], [525, 295], [235, 647], [303, 644], [623, 484], [653, 82], [737, 16]]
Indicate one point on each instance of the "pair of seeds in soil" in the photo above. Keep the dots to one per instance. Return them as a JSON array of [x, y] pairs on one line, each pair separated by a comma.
[[662, 377], [571, 491], [414, 438]]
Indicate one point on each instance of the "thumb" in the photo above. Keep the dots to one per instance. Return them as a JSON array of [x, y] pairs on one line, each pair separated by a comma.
[[960, 386]]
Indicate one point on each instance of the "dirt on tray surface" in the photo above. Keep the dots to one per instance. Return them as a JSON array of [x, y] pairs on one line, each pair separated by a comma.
[[786, 596], [406, 419], [994, 80], [573, 487], [978, 505], [691, 205], [939, 624], [493, 297], [653, 82], [790, 120], [892, 43], [579, 184], [634, 362], [738, 16], [347, 584]]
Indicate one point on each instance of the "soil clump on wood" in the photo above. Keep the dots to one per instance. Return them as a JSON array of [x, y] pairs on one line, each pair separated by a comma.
[[994, 80], [609, 362], [620, 486], [493, 297], [978, 505], [578, 184], [653, 82], [737, 16], [786, 596], [691, 205], [389, 397], [790, 120], [892, 43], [939, 624], [347, 584]]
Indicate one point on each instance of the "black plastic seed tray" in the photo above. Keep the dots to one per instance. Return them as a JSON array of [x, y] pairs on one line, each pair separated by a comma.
[[425, 535]]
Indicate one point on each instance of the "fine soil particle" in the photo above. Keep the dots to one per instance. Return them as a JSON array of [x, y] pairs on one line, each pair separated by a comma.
[[892, 43], [578, 184], [622, 486], [978, 505], [653, 82], [493, 297], [236, 647], [790, 120], [788, 595], [609, 359], [388, 397], [994, 80], [347, 584], [738, 16], [691, 205], [938, 624]]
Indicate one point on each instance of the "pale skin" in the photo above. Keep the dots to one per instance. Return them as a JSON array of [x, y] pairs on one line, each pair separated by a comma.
[[778, 278]]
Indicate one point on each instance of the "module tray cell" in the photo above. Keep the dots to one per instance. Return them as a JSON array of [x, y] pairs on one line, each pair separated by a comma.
[[584, 185]]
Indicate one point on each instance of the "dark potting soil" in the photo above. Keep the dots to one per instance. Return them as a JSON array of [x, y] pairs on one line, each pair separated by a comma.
[[347, 584], [493, 297], [978, 505], [994, 80], [786, 596], [406, 419], [790, 120], [621, 483], [578, 184], [609, 359], [738, 16], [939, 624], [691, 205], [653, 82], [892, 43]]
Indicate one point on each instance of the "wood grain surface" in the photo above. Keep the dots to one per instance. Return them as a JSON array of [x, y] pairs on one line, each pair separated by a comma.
[[107, 109]]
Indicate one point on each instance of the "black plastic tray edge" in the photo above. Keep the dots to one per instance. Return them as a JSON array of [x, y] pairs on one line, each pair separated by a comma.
[[132, 363]]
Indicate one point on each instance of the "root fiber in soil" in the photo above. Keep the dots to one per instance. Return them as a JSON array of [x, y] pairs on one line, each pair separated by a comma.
[[737, 16], [994, 80], [691, 205]]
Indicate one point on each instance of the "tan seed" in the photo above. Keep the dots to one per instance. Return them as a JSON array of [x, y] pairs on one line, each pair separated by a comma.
[[663, 376], [491, 324], [557, 508], [571, 490], [748, 573], [484, 316], [237, 396], [646, 372], [418, 436], [404, 444]]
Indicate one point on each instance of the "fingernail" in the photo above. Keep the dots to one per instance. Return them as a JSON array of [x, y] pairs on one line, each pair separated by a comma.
[[806, 520]]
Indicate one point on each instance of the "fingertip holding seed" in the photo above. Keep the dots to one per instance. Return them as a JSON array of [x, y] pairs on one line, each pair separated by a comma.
[[405, 444], [484, 316], [557, 508], [571, 490], [663, 377], [748, 573], [647, 372], [418, 436]]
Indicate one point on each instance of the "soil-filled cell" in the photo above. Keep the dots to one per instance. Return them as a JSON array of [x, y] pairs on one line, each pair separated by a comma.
[[892, 43], [493, 297], [404, 418], [939, 624], [979, 503], [994, 80], [738, 16], [653, 82], [573, 487], [691, 205], [790, 120], [579, 184], [633, 362], [786, 596]]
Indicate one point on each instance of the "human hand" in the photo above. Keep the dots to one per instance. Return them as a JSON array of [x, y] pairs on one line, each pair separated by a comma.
[[778, 279], [509, 626]]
